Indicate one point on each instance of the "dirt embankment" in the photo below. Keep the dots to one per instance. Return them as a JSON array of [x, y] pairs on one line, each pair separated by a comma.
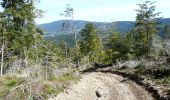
[[104, 86]]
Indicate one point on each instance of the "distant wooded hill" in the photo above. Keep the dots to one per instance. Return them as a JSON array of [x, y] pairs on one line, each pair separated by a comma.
[[55, 31]]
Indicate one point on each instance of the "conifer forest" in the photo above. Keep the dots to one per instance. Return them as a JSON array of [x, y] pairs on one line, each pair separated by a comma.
[[72, 59]]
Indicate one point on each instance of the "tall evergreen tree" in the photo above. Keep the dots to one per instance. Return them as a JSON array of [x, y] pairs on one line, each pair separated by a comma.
[[118, 48], [90, 43], [166, 31], [17, 28], [145, 27]]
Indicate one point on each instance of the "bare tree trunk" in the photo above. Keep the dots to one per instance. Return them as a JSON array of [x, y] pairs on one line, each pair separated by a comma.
[[75, 39], [2, 51], [37, 58], [47, 64], [25, 60], [70, 14], [2, 58], [65, 47]]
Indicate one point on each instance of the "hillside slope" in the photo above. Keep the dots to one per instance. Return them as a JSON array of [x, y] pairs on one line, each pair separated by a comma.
[[55, 28], [55, 31]]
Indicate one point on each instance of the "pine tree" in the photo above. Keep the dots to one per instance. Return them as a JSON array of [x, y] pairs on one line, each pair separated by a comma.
[[145, 27], [90, 43], [64, 47], [17, 28], [166, 31], [113, 44]]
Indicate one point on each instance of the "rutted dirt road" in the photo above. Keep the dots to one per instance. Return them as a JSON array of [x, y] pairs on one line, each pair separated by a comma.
[[101, 86]]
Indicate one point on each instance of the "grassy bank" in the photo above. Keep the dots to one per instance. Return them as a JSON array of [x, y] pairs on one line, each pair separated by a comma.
[[17, 88]]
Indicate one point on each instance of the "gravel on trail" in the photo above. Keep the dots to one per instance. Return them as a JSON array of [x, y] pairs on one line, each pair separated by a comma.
[[104, 86]]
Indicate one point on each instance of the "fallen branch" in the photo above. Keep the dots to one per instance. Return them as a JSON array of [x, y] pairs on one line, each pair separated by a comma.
[[25, 84]]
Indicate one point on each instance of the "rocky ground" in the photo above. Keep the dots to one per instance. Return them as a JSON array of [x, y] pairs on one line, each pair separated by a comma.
[[104, 86]]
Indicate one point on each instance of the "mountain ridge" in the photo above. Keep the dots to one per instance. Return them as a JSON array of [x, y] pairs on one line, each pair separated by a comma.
[[55, 27], [53, 30]]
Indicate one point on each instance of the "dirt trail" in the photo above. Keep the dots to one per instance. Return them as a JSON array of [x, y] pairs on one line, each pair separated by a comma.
[[100, 86]]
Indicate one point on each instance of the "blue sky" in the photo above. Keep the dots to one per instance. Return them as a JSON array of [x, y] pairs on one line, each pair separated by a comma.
[[97, 10]]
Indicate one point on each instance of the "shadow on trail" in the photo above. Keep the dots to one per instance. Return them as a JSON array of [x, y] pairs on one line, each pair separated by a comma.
[[135, 78], [96, 68]]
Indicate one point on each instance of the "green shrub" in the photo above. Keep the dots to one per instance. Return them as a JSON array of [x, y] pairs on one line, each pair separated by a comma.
[[11, 83]]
